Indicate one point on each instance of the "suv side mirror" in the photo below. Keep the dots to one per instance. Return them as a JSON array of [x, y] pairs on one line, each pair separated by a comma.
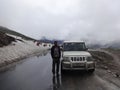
[[86, 49]]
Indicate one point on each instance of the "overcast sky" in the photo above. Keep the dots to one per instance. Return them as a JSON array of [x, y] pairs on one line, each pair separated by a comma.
[[93, 20]]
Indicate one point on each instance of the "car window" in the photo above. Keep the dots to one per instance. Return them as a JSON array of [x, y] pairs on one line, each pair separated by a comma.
[[74, 47]]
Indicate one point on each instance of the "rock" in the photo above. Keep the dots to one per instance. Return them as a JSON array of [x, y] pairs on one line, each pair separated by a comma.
[[108, 71], [117, 75], [5, 39], [105, 67], [114, 75]]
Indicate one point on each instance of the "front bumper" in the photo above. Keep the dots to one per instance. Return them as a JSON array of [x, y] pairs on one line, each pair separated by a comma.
[[78, 65]]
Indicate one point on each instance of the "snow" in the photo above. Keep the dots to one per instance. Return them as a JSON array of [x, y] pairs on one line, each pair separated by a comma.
[[18, 50]]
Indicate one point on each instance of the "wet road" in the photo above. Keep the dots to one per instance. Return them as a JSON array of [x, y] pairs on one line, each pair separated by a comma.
[[35, 74]]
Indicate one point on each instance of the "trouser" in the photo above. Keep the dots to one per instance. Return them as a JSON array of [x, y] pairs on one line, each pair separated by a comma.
[[55, 65]]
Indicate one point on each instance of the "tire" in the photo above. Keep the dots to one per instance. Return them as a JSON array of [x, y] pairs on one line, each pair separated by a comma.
[[62, 70], [91, 71]]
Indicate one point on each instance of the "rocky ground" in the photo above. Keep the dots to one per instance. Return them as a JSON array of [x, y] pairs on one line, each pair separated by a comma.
[[108, 60], [108, 64]]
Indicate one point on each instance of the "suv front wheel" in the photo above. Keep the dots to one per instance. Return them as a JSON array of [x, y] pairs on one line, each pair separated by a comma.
[[91, 70], [62, 70]]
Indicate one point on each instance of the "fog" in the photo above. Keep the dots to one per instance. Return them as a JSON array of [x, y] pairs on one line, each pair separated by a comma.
[[89, 20]]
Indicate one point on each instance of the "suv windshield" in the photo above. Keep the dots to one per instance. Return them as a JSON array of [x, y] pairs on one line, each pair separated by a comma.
[[74, 46]]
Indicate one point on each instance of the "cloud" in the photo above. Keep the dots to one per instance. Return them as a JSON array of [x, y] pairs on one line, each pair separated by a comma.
[[92, 20]]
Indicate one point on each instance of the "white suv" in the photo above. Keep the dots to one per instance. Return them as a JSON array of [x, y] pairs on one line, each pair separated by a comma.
[[76, 57]]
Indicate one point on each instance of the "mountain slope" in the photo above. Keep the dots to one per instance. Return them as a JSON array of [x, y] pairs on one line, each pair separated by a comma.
[[6, 30]]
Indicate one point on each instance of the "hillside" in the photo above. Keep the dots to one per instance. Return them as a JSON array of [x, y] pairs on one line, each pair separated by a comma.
[[5, 39], [6, 30], [15, 47], [46, 40]]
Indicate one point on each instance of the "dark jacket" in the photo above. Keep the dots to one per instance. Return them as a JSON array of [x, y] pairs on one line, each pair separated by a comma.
[[52, 51]]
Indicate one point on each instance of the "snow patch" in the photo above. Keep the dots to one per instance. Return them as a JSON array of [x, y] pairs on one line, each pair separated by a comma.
[[17, 50]]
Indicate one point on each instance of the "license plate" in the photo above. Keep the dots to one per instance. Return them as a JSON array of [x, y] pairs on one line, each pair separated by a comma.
[[78, 64]]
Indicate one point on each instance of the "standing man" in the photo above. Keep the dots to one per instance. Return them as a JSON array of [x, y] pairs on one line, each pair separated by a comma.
[[55, 54]]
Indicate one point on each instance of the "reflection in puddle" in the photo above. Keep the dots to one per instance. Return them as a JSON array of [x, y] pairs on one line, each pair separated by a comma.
[[12, 66], [43, 54], [56, 82], [6, 68], [73, 80]]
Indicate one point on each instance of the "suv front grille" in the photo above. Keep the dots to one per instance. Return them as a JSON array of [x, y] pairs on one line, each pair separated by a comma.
[[77, 58]]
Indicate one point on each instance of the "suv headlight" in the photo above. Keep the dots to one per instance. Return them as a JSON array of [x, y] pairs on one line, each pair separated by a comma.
[[66, 58], [89, 59]]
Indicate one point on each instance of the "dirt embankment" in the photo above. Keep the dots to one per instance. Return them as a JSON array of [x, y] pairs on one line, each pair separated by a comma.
[[5, 39], [108, 60]]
